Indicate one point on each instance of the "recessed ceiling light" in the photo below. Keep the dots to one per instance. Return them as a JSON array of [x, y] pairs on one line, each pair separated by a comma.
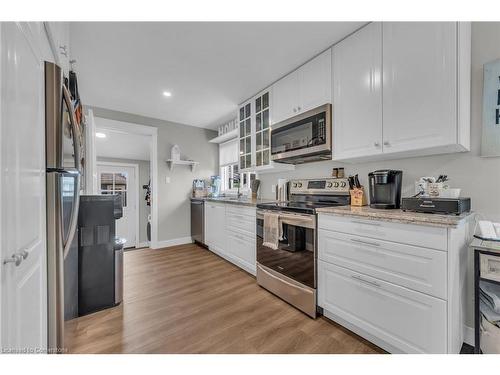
[[100, 135], [167, 93]]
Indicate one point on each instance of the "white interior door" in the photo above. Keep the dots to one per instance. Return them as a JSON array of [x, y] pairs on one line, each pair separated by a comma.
[[115, 178], [23, 213]]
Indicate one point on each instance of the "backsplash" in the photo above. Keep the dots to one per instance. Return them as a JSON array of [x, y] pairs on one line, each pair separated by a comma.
[[483, 189]]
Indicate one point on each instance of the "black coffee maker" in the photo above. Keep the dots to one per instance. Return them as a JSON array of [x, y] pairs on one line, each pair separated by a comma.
[[385, 188]]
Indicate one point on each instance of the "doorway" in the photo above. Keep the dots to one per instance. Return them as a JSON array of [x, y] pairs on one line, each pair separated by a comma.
[[121, 142], [122, 179]]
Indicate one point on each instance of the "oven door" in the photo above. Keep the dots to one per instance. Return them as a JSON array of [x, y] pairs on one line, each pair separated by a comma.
[[296, 254], [306, 134]]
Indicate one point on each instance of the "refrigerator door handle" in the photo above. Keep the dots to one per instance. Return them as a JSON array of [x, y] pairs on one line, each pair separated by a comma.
[[74, 214], [74, 129]]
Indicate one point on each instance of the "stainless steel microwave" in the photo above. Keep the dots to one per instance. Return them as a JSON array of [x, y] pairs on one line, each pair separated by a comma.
[[304, 138]]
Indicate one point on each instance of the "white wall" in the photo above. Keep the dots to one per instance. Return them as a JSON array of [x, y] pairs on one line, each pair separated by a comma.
[[478, 177]]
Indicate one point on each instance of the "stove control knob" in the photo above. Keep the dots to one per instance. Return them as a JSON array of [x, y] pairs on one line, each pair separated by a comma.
[[336, 184], [343, 184], [329, 185], [300, 184], [294, 184]]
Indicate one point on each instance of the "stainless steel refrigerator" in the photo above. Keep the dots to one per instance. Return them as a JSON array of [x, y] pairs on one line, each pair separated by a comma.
[[63, 171]]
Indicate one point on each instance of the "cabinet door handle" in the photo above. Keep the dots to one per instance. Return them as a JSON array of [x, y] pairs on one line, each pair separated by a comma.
[[16, 259], [365, 223], [373, 283], [365, 242], [386, 143], [240, 237], [376, 144], [298, 108], [294, 110]]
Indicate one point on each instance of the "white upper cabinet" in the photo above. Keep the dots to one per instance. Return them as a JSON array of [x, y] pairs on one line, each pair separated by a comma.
[[247, 134], [406, 84], [419, 85], [305, 88], [314, 82], [357, 94], [254, 118], [286, 97]]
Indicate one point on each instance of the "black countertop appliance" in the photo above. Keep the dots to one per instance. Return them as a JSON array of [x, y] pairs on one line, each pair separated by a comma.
[[385, 188]]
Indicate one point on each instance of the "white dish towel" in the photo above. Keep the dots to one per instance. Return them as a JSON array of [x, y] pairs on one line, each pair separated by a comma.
[[272, 231]]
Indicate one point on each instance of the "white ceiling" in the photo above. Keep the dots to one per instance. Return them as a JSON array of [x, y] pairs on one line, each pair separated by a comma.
[[118, 144], [209, 67]]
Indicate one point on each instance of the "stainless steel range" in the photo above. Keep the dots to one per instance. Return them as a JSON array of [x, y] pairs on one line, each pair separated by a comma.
[[290, 270]]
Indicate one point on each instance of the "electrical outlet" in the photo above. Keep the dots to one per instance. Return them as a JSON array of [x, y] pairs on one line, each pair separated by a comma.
[[167, 180]]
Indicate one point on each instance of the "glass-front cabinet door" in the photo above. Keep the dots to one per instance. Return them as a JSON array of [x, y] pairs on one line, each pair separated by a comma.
[[262, 132], [255, 133], [245, 123]]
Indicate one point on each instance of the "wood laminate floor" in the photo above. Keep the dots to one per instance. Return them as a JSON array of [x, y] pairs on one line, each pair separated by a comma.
[[185, 299]]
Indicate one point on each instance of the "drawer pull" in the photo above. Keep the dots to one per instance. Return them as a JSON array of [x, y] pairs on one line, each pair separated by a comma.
[[365, 223], [240, 237], [364, 242], [237, 216], [373, 283]]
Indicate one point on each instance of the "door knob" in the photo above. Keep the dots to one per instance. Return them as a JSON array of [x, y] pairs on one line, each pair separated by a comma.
[[16, 258]]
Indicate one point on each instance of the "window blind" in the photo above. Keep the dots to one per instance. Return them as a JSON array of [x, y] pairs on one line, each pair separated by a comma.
[[228, 153]]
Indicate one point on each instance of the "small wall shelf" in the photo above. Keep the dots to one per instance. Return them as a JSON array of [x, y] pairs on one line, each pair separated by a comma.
[[225, 137], [171, 163]]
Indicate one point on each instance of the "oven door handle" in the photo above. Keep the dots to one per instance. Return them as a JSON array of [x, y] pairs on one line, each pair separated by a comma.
[[306, 221], [283, 280], [299, 221]]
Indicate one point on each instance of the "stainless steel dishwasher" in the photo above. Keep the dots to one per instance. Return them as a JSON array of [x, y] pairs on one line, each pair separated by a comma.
[[198, 221]]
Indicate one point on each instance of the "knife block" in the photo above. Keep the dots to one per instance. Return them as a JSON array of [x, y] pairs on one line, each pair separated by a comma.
[[358, 197]]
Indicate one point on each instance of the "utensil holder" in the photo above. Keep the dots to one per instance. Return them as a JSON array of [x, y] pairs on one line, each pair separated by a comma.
[[358, 197]]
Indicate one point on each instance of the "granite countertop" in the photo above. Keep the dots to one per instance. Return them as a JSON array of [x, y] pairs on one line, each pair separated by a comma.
[[397, 216], [232, 200]]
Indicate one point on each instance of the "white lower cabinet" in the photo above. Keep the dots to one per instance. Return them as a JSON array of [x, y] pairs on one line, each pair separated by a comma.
[[399, 285], [230, 233], [409, 321], [241, 250], [215, 222], [413, 267]]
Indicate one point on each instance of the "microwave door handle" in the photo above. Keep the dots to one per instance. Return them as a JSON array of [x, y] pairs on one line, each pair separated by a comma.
[[74, 214], [74, 129]]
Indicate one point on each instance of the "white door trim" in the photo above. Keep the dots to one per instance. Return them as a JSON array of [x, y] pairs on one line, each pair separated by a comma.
[[91, 157], [137, 186], [152, 131]]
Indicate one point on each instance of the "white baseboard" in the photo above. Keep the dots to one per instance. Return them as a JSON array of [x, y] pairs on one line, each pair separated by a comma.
[[142, 244], [469, 335], [172, 242]]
